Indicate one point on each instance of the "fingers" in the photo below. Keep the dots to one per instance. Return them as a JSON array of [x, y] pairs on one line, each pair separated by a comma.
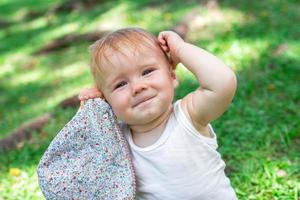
[[162, 36], [89, 93], [165, 48], [87, 97], [163, 44], [83, 97], [97, 94], [163, 40]]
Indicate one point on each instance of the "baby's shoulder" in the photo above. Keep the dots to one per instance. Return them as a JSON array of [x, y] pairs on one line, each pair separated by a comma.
[[183, 117]]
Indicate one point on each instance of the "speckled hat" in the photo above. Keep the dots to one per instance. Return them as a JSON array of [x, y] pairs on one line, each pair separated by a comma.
[[88, 159]]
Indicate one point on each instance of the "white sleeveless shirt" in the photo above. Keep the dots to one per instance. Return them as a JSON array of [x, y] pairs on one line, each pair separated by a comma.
[[181, 164]]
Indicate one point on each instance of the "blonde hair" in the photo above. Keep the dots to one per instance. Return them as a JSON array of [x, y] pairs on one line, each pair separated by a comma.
[[132, 38]]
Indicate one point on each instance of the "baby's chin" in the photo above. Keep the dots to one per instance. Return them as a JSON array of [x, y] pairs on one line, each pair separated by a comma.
[[146, 114], [141, 120]]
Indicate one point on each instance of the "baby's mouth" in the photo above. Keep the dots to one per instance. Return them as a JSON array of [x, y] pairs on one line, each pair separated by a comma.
[[141, 100]]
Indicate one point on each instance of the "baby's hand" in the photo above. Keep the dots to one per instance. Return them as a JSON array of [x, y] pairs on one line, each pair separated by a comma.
[[89, 93], [171, 43]]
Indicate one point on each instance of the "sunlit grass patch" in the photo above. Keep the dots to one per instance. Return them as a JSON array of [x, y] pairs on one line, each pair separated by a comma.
[[18, 179], [23, 186]]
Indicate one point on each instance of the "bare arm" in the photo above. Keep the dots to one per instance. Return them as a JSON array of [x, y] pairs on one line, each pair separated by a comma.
[[217, 81], [217, 84]]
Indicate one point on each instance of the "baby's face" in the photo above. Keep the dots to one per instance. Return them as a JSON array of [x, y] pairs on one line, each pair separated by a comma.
[[139, 85]]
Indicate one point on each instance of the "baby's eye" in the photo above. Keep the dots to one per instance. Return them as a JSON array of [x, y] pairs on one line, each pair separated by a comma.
[[147, 71], [120, 84]]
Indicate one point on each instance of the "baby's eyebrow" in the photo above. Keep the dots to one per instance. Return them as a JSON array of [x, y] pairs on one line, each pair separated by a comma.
[[113, 80], [148, 65], [149, 62]]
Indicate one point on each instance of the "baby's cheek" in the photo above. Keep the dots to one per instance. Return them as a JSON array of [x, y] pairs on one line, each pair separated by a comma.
[[119, 104]]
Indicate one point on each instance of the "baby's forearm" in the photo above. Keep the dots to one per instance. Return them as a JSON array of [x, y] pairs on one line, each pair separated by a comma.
[[211, 72]]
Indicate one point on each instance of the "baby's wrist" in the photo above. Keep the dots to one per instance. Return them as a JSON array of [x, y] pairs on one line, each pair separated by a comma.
[[180, 50]]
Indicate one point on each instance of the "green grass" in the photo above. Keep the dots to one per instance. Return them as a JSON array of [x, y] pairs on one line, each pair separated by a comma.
[[259, 135]]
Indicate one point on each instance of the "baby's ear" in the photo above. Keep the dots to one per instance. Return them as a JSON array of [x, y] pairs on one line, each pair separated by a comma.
[[172, 67], [172, 64]]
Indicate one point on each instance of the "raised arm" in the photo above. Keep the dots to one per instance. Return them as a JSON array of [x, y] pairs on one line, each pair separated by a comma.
[[217, 81]]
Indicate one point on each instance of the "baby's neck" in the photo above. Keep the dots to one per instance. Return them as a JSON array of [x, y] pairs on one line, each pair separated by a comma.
[[146, 134]]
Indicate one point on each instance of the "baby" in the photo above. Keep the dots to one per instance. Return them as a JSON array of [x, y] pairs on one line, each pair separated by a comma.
[[173, 145]]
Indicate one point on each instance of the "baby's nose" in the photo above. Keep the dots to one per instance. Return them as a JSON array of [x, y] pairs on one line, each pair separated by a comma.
[[138, 88]]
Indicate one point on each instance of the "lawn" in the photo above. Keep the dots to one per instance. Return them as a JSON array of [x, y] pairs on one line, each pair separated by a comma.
[[259, 135]]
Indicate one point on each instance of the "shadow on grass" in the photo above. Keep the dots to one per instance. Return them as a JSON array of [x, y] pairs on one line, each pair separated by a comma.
[[22, 37]]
